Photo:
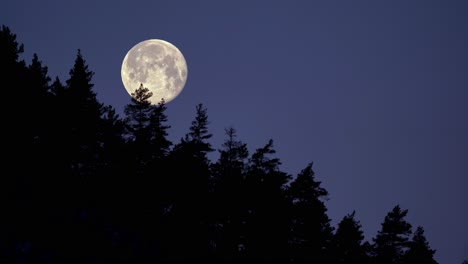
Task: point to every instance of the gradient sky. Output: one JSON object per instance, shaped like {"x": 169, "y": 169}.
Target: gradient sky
{"x": 375, "y": 93}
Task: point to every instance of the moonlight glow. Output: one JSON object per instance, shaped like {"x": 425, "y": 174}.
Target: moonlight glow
{"x": 159, "y": 66}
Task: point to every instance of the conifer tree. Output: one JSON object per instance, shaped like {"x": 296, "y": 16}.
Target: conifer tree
{"x": 146, "y": 128}
{"x": 228, "y": 177}
{"x": 12, "y": 68}
{"x": 16, "y": 183}
{"x": 392, "y": 239}
{"x": 138, "y": 114}
{"x": 311, "y": 233}
{"x": 83, "y": 121}
{"x": 158, "y": 131}
{"x": 348, "y": 243}
{"x": 264, "y": 207}
{"x": 190, "y": 188}
{"x": 38, "y": 76}
{"x": 419, "y": 250}
{"x": 147, "y": 146}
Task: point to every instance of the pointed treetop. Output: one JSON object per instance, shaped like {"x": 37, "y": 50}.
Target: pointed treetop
{"x": 419, "y": 249}
{"x": 39, "y": 74}
{"x": 199, "y": 128}
{"x": 9, "y": 47}
{"x": 392, "y": 239}
{"x": 233, "y": 150}
{"x": 80, "y": 75}
{"x": 198, "y": 133}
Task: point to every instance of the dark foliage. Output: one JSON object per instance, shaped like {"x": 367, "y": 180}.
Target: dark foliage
{"x": 419, "y": 250}
{"x": 348, "y": 242}
{"x": 392, "y": 241}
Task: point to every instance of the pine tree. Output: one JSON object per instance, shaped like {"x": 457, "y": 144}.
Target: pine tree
{"x": 311, "y": 232}
{"x": 228, "y": 176}
{"x": 146, "y": 126}
{"x": 348, "y": 241}
{"x": 264, "y": 207}
{"x": 138, "y": 115}
{"x": 137, "y": 122}
{"x": 392, "y": 240}
{"x": 419, "y": 250}
{"x": 148, "y": 146}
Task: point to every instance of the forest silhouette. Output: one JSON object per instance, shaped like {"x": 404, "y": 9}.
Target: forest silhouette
{"x": 85, "y": 185}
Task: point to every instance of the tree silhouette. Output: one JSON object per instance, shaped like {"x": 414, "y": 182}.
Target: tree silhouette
{"x": 17, "y": 183}
{"x": 12, "y": 68}
{"x": 348, "y": 241}
{"x": 311, "y": 233}
{"x": 138, "y": 114}
{"x": 392, "y": 240}
{"x": 83, "y": 120}
{"x": 158, "y": 131}
{"x": 146, "y": 130}
{"x": 38, "y": 75}
{"x": 228, "y": 178}
{"x": 419, "y": 250}
{"x": 264, "y": 207}
{"x": 189, "y": 222}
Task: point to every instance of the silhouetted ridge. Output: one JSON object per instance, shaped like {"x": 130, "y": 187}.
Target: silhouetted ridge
{"x": 84, "y": 185}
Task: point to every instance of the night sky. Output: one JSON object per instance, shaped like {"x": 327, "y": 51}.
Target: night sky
{"x": 375, "y": 93}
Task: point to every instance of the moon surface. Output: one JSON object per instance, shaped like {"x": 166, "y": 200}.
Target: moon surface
{"x": 159, "y": 66}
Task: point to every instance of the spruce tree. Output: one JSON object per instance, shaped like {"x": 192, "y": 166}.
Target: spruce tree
{"x": 83, "y": 121}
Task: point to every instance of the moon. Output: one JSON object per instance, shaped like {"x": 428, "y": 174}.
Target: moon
{"x": 159, "y": 66}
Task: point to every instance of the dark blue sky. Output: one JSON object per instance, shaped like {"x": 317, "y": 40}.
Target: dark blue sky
{"x": 373, "y": 92}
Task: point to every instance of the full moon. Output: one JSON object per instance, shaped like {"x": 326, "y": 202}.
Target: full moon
{"x": 159, "y": 66}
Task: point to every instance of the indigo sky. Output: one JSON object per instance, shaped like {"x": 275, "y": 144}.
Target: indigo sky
{"x": 375, "y": 93}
